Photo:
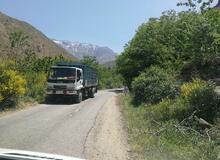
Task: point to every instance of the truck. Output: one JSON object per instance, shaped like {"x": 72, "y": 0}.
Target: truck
{"x": 72, "y": 79}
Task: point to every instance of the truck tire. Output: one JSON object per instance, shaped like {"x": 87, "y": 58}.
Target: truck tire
{"x": 48, "y": 99}
{"x": 79, "y": 97}
{"x": 92, "y": 93}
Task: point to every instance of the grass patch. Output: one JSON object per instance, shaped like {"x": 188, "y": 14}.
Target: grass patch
{"x": 165, "y": 138}
{"x": 21, "y": 105}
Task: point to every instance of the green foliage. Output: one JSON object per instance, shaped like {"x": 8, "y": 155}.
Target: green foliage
{"x": 13, "y": 85}
{"x": 167, "y": 109}
{"x": 35, "y": 72}
{"x": 158, "y": 136}
{"x": 31, "y": 63}
{"x": 18, "y": 46}
{"x": 92, "y": 62}
{"x": 187, "y": 42}
{"x": 153, "y": 85}
{"x": 18, "y": 39}
{"x": 193, "y": 5}
{"x": 36, "y": 85}
{"x": 197, "y": 98}
{"x": 201, "y": 98}
{"x": 33, "y": 69}
{"x": 110, "y": 79}
{"x": 34, "y": 77}
{"x": 25, "y": 58}
{"x": 168, "y": 125}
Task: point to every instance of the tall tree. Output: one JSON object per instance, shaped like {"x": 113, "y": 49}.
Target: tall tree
{"x": 186, "y": 43}
{"x": 194, "y": 5}
{"x": 18, "y": 46}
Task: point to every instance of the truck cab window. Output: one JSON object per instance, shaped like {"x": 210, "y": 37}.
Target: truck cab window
{"x": 78, "y": 75}
{"x": 67, "y": 73}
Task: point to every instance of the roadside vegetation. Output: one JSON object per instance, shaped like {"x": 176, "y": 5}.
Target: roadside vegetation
{"x": 173, "y": 111}
{"x": 23, "y": 75}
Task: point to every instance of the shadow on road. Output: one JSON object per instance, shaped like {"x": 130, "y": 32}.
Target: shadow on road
{"x": 61, "y": 100}
{"x": 117, "y": 90}
{"x": 57, "y": 100}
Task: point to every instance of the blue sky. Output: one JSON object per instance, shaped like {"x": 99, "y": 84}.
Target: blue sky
{"x": 109, "y": 23}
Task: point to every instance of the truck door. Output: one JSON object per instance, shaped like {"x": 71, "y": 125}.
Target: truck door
{"x": 79, "y": 79}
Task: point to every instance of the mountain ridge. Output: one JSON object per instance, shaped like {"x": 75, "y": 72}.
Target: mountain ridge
{"x": 39, "y": 43}
{"x": 102, "y": 54}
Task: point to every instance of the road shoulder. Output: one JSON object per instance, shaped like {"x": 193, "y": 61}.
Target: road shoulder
{"x": 107, "y": 139}
{"x": 21, "y": 106}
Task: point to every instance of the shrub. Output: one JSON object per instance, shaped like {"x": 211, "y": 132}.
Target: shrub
{"x": 197, "y": 98}
{"x": 12, "y": 86}
{"x": 168, "y": 109}
{"x": 202, "y": 98}
{"x": 153, "y": 85}
{"x": 188, "y": 89}
{"x": 36, "y": 84}
{"x": 160, "y": 111}
{"x": 172, "y": 41}
{"x": 160, "y": 139}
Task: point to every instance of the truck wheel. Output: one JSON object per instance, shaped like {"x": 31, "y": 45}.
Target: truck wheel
{"x": 91, "y": 93}
{"x": 48, "y": 99}
{"x": 79, "y": 97}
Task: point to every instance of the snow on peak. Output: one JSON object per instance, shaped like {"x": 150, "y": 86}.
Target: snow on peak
{"x": 102, "y": 54}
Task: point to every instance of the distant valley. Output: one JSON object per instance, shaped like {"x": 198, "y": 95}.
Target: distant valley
{"x": 79, "y": 50}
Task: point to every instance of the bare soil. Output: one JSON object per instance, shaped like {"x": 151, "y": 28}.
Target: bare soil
{"x": 107, "y": 139}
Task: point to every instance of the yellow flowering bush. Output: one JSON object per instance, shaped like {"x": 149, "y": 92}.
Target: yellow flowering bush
{"x": 201, "y": 97}
{"x": 12, "y": 85}
{"x": 187, "y": 89}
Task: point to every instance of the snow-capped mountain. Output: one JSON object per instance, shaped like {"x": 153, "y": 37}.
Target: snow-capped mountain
{"x": 79, "y": 50}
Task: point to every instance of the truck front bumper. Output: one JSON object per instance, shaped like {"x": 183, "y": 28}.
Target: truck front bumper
{"x": 61, "y": 92}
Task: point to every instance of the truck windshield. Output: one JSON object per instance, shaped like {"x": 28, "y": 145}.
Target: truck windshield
{"x": 65, "y": 73}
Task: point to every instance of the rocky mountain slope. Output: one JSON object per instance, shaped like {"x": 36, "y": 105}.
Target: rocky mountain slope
{"x": 79, "y": 50}
{"x": 38, "y": 42}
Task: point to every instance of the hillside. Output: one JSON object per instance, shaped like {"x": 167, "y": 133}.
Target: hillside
{"x": 109, "y": 64}
{"x": 42, "y": 45}
{"x": 79, "y": 50}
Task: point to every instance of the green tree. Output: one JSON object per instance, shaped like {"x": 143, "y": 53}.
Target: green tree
{"x": 187, "y": 42}
{"x": 90, "y": 61}
{"x": 18, "y": 45}
{"x": 195, "y": 4}
{"x": 153, "y": 85}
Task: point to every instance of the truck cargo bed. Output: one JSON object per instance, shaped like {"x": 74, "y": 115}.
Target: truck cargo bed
{"x": 90, "y": 75}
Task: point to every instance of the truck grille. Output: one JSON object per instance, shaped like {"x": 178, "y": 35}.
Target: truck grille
{"x": 60, "y": 81}
{"x": 60, "y": 87}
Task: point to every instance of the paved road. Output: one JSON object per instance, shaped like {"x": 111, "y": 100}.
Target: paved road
{"x": 58, "y": 129}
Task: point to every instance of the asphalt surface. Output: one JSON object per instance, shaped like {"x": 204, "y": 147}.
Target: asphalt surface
{"x": 53, "y": 128}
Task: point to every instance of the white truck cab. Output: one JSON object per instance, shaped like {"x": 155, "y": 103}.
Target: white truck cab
{"x": 64, "y": 80}
{"x": 72, "y": 79}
